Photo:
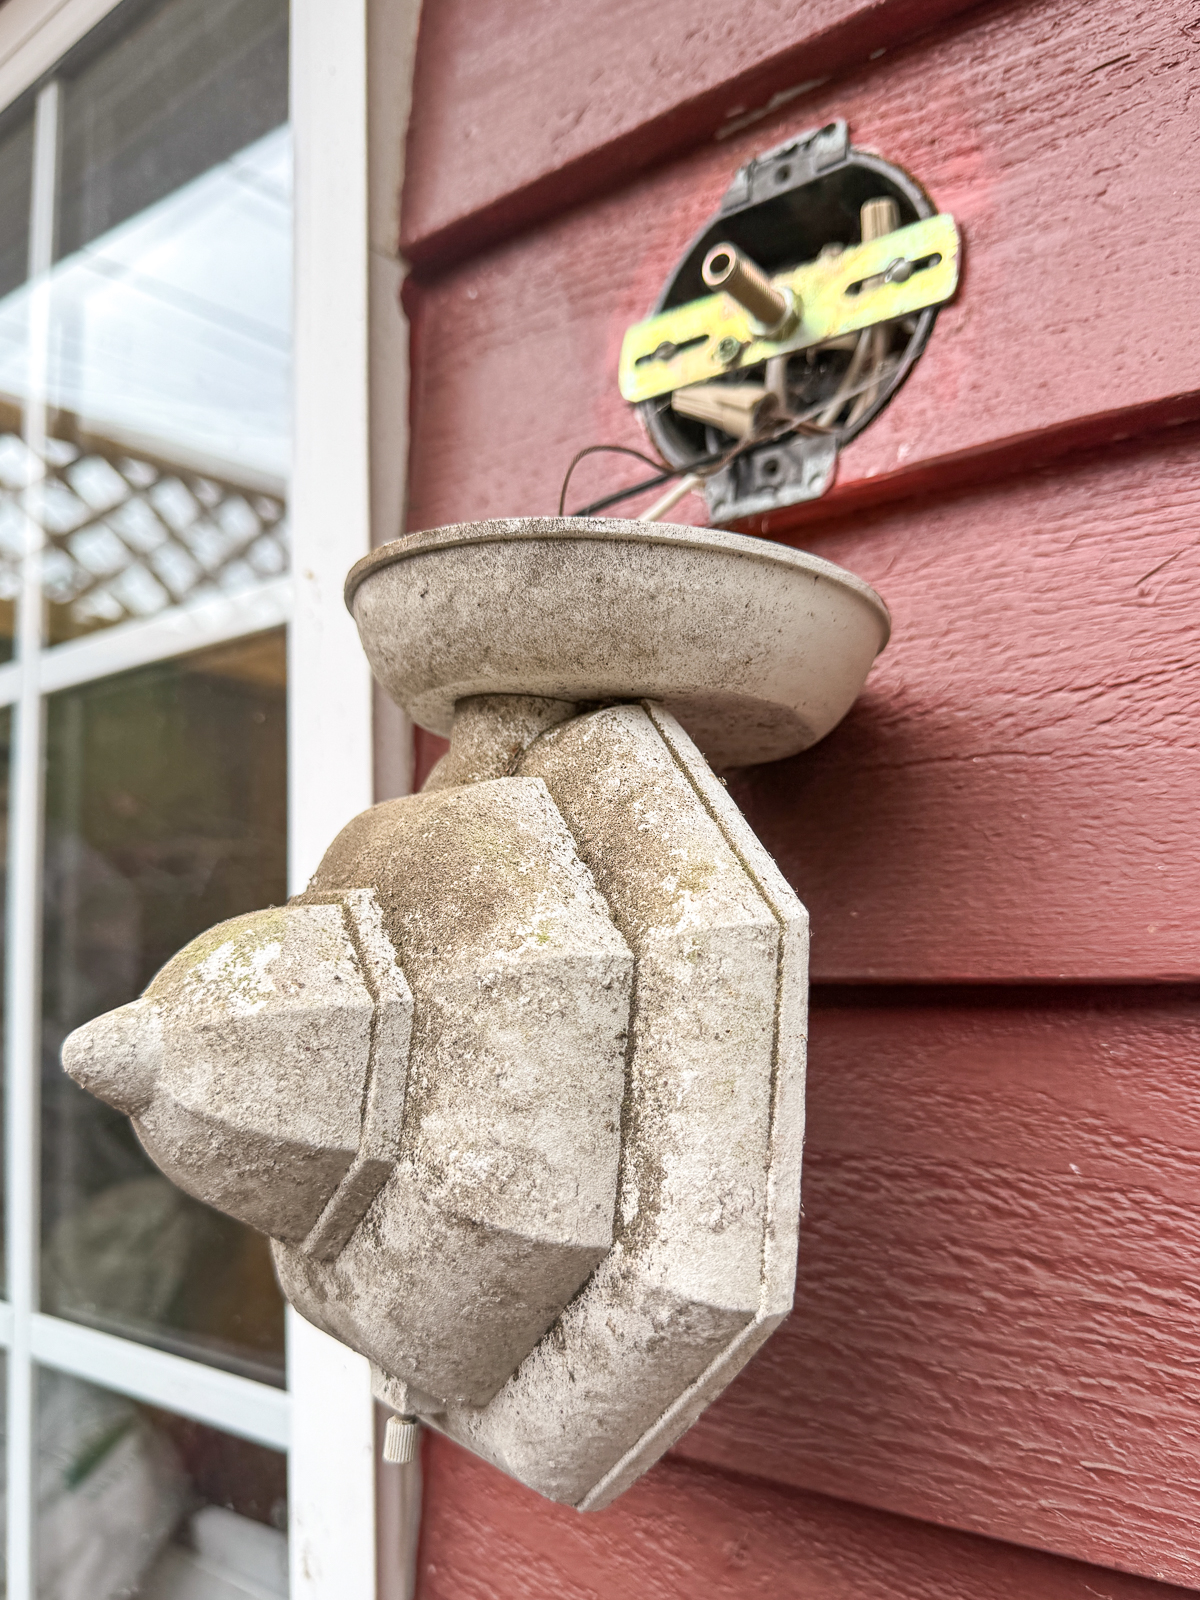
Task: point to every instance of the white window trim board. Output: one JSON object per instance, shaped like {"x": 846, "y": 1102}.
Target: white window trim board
{"x": 331, "y": 1504}
{"x": 351, "y": 77}
{"x": 36, "y": 34}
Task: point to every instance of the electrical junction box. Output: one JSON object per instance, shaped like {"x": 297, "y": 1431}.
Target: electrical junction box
{"x": 790, "y": 321}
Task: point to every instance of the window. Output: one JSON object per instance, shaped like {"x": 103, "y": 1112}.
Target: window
{"x": 165, "y": 812}
{"x": 162, "y": 567}
{"x": 147, "y": 620}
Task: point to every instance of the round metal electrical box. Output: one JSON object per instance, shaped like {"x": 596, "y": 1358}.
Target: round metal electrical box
{"x": 808, "y": 199}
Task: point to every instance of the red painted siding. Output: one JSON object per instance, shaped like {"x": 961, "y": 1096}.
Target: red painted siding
{"x": 428, "y": 750}
{"x": 997, "y": 1299}
{"x": 529, "y": 106}
{"x": 1014, "y": 797}
{"x": 1063, "y": 137}
{"x": 683, "y": 1532}
{"x": 997, "y": 1314}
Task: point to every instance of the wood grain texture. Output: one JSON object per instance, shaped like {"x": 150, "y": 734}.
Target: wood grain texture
{"x": 1015, "y": 795}
{"x": 1063, "y": 137}
{"x": 997, "y": 1307}
{"x": 685, "y": 1532}
{"x": 526, "y": 107}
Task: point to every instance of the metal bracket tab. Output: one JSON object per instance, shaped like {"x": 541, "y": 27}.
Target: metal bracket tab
{"x": 903, "y": 272}
{"x": 794, "y": 162}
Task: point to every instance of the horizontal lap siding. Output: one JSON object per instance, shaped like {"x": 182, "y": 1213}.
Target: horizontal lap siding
{"x": 686, "y": 1533}
{"x": 997, "y": 1300}
{"x": 1015, "y": 797}
{"x": 529, "y": 106}
{"x": 1074, "y": 183}
{"x": 997, "y": 1310}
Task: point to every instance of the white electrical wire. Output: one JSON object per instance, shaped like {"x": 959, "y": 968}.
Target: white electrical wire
{"x": 672, "y": 497}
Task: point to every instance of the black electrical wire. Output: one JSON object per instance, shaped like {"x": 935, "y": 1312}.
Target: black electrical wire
{"x": 624, "y": 494}
{"x": 705, "y": 464}
{"x": 613, "y": 449}
{"x": 804, "y": 423}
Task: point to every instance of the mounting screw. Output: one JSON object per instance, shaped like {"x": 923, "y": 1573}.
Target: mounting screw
{"x": 727, "y": 351}
{"x": 400, "y": 1440}
{"x": 898, "y": 271}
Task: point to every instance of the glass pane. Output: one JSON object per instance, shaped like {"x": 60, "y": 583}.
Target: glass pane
{"x": 6, "y": 722}
{"x": 137, "y": 1501}
{"x": 165, "y": 812}
{"x": 3, "y": 1467}
{"x": 170, "y": 340}
{"x": 16, "y": 176}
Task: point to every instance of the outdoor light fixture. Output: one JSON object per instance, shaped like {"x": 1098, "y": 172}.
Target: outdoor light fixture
{"x": 516, "y": 1085}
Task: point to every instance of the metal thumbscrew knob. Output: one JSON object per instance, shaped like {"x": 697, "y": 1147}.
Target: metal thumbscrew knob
{"x": 400, "y": 1440}
{"x": 725, "y": 267}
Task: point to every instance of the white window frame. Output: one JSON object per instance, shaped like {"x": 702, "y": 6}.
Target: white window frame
{"x": 350, "y": 383}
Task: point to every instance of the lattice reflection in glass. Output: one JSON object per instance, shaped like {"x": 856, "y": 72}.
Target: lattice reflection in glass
{"x": 15, "y": 476}
{"x": 128, "y": 535}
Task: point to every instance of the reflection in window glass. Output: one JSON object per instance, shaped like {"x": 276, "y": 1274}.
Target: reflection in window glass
{"x": 165, "y": 813}
{"x": 6, "y": 723}
{"x": 3, "y": 1459}
{"x": 137, "y": 1501}
{"x": 170, "y": 307}
{"x": 16, "y": 174}
{"x": 186, "y": 86}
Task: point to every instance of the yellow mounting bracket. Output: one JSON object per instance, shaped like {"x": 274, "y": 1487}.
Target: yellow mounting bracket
{"x": 838, "y": 293}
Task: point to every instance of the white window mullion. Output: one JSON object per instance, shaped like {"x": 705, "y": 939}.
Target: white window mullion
{"x": 177, "y": 632}
{"x": 220, "y": 1399}
{"x": 24, "y": 916}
